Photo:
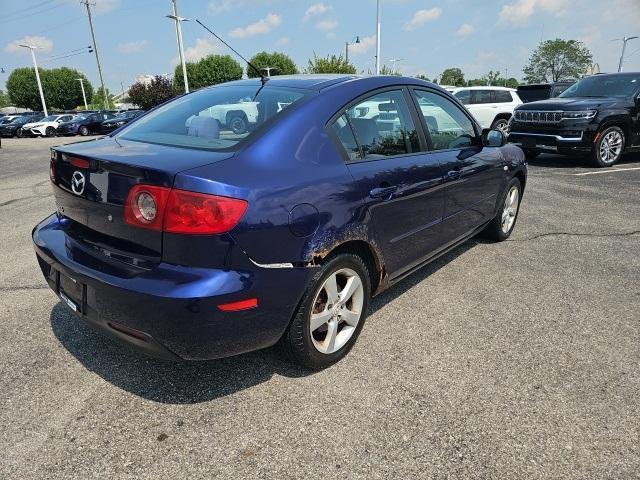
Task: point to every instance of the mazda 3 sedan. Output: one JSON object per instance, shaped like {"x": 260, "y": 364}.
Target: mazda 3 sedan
{"x": 189, "y": 240}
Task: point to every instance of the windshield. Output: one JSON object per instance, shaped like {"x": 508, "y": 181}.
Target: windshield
{"x": 618, "y": 85}
{"x": 126, "y": 114}
{"x": 77, "y": 118}
{"x": 213, "y": 118}
{"x": 50, "y": 118}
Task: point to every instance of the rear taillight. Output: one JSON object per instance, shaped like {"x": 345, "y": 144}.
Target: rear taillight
{"x": 145, "y": 206}
{"x": 180, "y": 211}
{"x": 199, "y": 213}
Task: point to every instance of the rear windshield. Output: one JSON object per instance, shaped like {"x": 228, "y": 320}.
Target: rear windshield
{"x": 533, "y": 93}
{"x": 213, "y": 118}
{"x": 620, "y": 85}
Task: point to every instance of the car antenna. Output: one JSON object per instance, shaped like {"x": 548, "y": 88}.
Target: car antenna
{"x": 263, "y": 79}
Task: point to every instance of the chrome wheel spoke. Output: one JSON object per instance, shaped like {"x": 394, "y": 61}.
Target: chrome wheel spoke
{"x": 349, "y": 289}
{"x": 350, "y": 318}
{"x": 329, "y": 343}
{"x": 319, "y": 319}
{"x": 331, "y": 287}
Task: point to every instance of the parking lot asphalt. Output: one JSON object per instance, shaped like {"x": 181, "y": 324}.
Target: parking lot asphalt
{"x": 512, "y": 360}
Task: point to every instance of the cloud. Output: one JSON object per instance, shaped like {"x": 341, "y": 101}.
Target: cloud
{"x": 519, "y": 12}
{"x": 264, "y": 25}
{"x": 104, "y": 6}
{"x": 219, "y": 6}
{"x": 202, "y": 48}
{"x": 314, "y": 10}
{"x": 465, "y": 30}
{"x": 132, "y": 47}
{"x": 326, "y": 25}
{"x": 366, "y": 44}
{"x": 44, "y": 44}
{"x": 281, "y": 42}
{"x": 421, "y": 17}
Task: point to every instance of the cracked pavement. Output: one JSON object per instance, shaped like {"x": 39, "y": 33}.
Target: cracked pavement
{"x": 511, "y": 360}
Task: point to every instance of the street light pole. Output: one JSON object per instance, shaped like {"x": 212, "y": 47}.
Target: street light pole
{"x": 35, "y": 67}
{"x": 624, "y": 47}
{"x": 377, "y": 37}
{"x": 346, "y": 48}
{"x": 95, "y": 49}
{"x": 84, "y": 97}
{"x": 179, "y": 21}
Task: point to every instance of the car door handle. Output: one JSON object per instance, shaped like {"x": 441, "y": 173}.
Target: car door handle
{"x": 383, "y": 192}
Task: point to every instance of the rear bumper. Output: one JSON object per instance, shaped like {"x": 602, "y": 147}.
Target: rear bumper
{"x": 172, "y": 310}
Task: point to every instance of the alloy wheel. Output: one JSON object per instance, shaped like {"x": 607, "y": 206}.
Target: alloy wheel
{"x": 510, "y": 209}
{"x": 502, "y": 125}
{"x": 336, "y": 310}
{"x": 611, "y": 147}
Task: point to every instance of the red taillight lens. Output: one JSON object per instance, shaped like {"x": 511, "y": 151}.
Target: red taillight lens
{"x": 180, "y": 211}
{"x": 247, "y": 304}
{"x": 145, "y": 206}
{"x": 202, "y": 214}
{"x": 79, "y": 162}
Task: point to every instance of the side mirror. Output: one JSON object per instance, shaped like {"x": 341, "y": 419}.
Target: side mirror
{"x": 493, "y": 138}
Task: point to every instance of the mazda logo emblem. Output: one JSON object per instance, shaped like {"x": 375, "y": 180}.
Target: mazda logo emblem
{"x": 77, "y": 182}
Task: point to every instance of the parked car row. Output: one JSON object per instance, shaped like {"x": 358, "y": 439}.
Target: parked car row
{"x": 35, "y": 124}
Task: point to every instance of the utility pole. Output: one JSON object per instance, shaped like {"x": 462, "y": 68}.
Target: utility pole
{"x": 95, "y": 49}
{"x": 377, "y": 37}
{"x": 624, "y": 47}
{"x": 178, "y": 19}
{"x": 35, "y": 67}
{"x": 84, "y": 97}
{"x": 346, "y": 48}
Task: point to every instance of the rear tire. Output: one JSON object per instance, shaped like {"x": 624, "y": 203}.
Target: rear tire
{"x": 504, "y": 222}
{"x": 531, "y": 154}
{"x": 238, "y": 124}
{"x": 84, "y": 131}
{"x": 609, "y": 148}
{"x": 19, "y": 133}
{"x": 331, "y": 314}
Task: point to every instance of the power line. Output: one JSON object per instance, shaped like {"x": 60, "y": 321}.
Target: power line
{"x": 53, "y": 7}
{"x": 22, "y": 10}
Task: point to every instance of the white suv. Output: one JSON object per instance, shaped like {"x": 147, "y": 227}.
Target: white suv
{"x": 491, "y": 106}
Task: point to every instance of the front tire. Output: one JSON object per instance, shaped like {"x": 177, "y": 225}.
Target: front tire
{"x": 83, "y": 131}
{"x": 238, "y": 124}
{"x": 501, "y": 124}
{"x": 50, "y": 132}
{"x": 331, "y": 313}
{"x": 609, "y": 147}
{"x": 504, "y": 222}
{"x": 531, "y": 154}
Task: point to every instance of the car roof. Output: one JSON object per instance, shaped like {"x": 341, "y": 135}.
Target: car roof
{"x": 480, "y": 87}
{"x": 305, "y": 81}
{"x": 320, "y": 82}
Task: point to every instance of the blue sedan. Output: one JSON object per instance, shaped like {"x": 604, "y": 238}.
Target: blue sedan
{"x": 191, "y": 239}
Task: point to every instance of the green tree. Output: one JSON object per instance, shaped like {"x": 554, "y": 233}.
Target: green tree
{"x": 280, "y": 63}
{"x": 557, "y": 59}
{"x": 61, "y": 89}
{"x": 452, "y": 76}
{"x": 512, "y": 82}
{"x": 210, "y": 70}
{"x": 4, "y": 100}
{"x": 384, "y": 70}
{"x": 97, "y": 101}
{"x": 148, "y": 95}
{"x": 329, "y": 64}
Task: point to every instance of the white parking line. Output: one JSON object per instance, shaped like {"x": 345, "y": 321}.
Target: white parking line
{"x": 611, "y": 170}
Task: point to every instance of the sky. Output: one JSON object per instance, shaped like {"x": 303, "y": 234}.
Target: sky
{"x": 417, "y": 36}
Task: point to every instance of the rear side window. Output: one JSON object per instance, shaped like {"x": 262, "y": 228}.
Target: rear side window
{"x": 502, "y": 96}
{"x": 383, "y": 126}
{"x": 481, "y": 96}
{"x": 213, "y": 118}
{"x": 344, "y": 134}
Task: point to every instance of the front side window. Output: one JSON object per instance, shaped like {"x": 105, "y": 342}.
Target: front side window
{"x": 448, "y": 126}
{"x": 502, "y": 96}
{"x": 215, "y": 118}
{"x": 464, "y": 96}
{"x": 480, "y": 96}
{"x": 383, "y": 126}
